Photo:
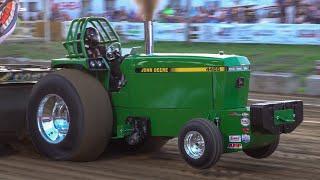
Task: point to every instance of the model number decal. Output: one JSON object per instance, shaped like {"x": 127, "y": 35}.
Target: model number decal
{"x": 181, "y": 70}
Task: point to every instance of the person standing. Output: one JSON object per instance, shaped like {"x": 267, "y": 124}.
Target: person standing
{"x": 282, "y": 11}
{"x": 290, "y": 12}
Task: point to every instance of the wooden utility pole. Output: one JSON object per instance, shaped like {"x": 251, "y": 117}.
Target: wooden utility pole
{"x": 188, "y": 20}
{"x": 84, "y": 9}
{"x": 46, "y": 19}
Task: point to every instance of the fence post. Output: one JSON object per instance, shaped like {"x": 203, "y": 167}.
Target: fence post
{"x": 46, "y": 19}
{"x": 188, "y": 20}
{"x": 84, "y": 7}
{"x": 318, "y": 67}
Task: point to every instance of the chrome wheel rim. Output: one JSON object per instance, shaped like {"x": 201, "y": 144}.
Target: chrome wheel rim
{"x": 194, "y": 144}
{"x": 53, "y": 118}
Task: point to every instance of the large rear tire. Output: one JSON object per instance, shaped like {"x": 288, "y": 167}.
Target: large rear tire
{"x": 89, "y": 115}
{"x": 263, "y": 152}
{"x": 200, "y": 143}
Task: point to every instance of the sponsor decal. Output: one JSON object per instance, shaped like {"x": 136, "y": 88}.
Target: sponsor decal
{"x": 235, "y": 138}
{"x": 166, "y": 31}
{"x": 181, "y": 70}
{"x": 226, "y": 31}
{"x": 246, "y": 138}
{"x": 245, "y": 130}
{"x": 245, "y": 122}
{"x": 307, "y": 33}
{"x": 69, "y": 8}
{"x": 234, "y": 146}
{"x": 208, "y": 33}
{"x": 245, "y": 114}
{"x": 69, "y": 5}
{"x": 16, "y": 77}
{"x": 153, "y": 70}
{"x": 264, "y": 33}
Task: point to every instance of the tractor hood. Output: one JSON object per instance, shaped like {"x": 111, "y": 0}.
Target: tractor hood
{"x": 182, "y": 80}
{"x": 185, "y": 60}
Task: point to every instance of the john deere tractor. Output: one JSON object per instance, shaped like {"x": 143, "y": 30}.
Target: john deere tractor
{"x": 100, "y": 95}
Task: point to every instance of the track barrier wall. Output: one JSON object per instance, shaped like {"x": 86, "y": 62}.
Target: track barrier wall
{"x": 304, "y": 34}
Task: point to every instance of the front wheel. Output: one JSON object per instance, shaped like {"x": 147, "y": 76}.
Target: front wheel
{"x": 200, "y": 143}
{"x": 263, "y": 152}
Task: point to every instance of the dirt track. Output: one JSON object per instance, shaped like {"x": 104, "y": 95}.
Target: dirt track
{"x": 298, "y": 157}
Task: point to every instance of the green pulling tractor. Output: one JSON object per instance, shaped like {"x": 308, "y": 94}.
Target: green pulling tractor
{"x": 100, "y": 95}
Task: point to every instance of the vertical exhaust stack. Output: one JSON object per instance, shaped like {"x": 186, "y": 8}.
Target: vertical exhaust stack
{"x": 147, "y": 8}
{"x": 148, "y": 37}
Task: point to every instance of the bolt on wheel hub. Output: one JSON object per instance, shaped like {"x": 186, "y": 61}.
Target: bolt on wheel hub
{"x": 194, "y": 144}
{"x": 53, "y": 119}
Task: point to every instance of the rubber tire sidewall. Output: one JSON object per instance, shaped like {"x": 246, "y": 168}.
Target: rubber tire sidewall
{"x": 213, "y": 143}
{"x": 263, "y": 152}
{"x": 90, "y": 116}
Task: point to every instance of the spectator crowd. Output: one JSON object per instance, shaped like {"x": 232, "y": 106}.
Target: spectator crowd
{"x": 283, "y": 11}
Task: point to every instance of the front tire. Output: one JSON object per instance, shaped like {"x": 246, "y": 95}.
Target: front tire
{"x": 200, "y": 143}
{"x": 77, "y": 124}
{"x": 263, "y": 152}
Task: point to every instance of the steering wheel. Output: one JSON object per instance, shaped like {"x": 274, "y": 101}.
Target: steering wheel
{"x": 113, "y": 50}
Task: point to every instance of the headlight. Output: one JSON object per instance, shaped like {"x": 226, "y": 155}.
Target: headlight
{"x": 92, "y": 64}
{"x": 97, "y": 64}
